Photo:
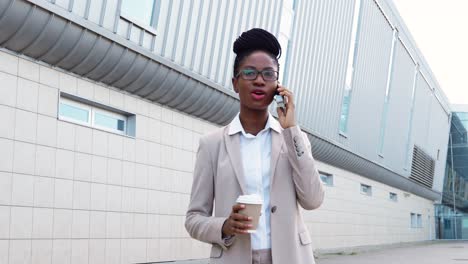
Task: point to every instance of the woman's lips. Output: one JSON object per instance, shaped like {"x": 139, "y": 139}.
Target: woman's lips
{"x": 258, "y": 95}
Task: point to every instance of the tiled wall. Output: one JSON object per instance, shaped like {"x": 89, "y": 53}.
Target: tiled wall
{"x": 73, "y": 194}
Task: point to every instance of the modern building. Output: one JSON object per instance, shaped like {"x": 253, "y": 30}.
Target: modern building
{"x": 452, "y": 212}
{"x": 103, "y": 103}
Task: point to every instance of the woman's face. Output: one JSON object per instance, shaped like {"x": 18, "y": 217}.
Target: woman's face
{"x": 255, "y": 94}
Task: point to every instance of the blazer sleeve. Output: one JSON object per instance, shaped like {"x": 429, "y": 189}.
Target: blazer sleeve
{"x": 309, "y": 187}
{"x": 199, "y": 221}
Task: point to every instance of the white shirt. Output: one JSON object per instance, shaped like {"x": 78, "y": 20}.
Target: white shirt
{"x": 256, "y": 155}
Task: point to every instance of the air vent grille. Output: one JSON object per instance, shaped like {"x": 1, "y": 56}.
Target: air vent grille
{"x": 422, "y": 168}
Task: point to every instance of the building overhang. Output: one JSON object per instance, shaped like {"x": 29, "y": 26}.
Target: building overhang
{"x": 50, "y": 34}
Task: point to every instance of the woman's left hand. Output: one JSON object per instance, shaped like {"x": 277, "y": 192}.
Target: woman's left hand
{"x": 286, "y": 116}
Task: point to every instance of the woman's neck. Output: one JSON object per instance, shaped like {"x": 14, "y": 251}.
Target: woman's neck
{"x": 253, "y": 121}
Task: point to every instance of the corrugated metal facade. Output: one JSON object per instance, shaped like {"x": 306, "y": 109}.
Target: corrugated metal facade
{"x": 197, "y": 35}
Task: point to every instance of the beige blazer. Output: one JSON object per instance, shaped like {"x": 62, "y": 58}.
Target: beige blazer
{"x": 219, "y": 180}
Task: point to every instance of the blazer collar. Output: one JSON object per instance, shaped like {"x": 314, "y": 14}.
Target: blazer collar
{"x": 232, "y": 141}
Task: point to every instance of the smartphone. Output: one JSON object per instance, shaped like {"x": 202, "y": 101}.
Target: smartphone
{"x": 279, "y": 99}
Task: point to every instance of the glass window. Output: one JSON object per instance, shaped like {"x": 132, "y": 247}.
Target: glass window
{"x": 326, "y": 178}
{"x": 142, "y": 10}
{"x": 366, "y": 189}
{"x": 109, "y": 121}
{"x": 413, "y": 220}
{"x": 350, "y": 69}
{"x": 393, "y": 196}
{"x": 419, "y": 220}
{"x": 74, "y": 111}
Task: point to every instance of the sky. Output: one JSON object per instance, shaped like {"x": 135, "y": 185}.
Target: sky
{"x": 439, "y": 28}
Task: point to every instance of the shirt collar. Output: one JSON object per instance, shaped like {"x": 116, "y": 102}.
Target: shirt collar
{"x": 236, "y": 126}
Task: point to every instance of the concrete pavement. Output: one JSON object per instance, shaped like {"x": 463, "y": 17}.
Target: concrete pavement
{"x": 440, "y": 252}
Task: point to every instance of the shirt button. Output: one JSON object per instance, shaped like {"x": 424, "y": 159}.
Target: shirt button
{"x": 273, "y": 209}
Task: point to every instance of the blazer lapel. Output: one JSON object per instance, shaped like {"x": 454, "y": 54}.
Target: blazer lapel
{"x": 233, "y": 149}
{"x": 276, "y": 145}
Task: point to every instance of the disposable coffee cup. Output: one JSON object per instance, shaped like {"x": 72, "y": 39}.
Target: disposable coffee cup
{"x": 253, "y": 208}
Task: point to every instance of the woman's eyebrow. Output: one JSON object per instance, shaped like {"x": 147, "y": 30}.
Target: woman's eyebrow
{"x": 253, "y": 67}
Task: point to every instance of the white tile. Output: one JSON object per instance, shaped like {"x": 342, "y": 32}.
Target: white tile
{"x": 67, "y": 83}
{"x": 80, "y": 251}
{"x": 165, "y": 226}
{"x": 167, "y": 134}
{"x": 141, "y": 200}
{"x": 113, "y": 225}
{"x": 128, "y": 173}
{"x": 48, "y": 76}
{"x": 101, "y": 94}
{"x": 43, "y": 191}
{"x": 139, "y": 225}
{"x": 41, "y": 251}
{"x": 187, "y": 139}
{"x": 99, "y": 169}
{"x": 62, "y": 223}
{"x": 130, "y": 104}
{"x": 61, "y": 251}
{"x": 97, "y": 224}
{"x": 20, "y": 252}
{"x": 48, "y": 101}
{"x": 154, "y": 154}
{"x": 142, "y": 127}
{"x": 116, "y": 99}
{"x": 63, "y": 193}
{"x": 141, "y": 151}
{"x": 153, "y": 202}
{"x": 100, "y": 143}
{"x": 81, "y": 195}
{"x": 97, "y": 251}
{"x": 7, "y": 129}
{"x": 177, "y": 119}
{"x": 4, "y": 248}
{"x": 84, "y": 139}
{"x": 43, "y": 223}
{"x": 138, "y": 250}
{"x": 143, "y": 107}
{"x": 114, "y": 198}
{"x": 46, "y": 130}
{"x": 27, "y": 95}
{"x": 80, "y": 227}
{"x": 154, "y": 130}
{"x": 152, "y": 250}
{"x": 126, "y": 225}
{"x": 24, "y": 158}
{"x": 21, "y": 222}
{"x": 8, "y": 89}
{"x": 188, "y": 122}
{"x": 153, "y": 226}
{"x": 5, "y": 187}
{"x": 115, "y": 146}
{"x": 166, "y": 156}
{"x": 28, "y": 70}
{"x": 141, "y": 175}
{"x": 8, "y": 63}
{"x": 4, "y": 222}
{"x": 166, "y": 114}
{"x": 64, "y": 164}
{"x": 128, "y": 199}
{"x": 112, "y": 251}
{"x": 85, "y": 89}
{"x": 65, "y": 135}
{"x": 154, "y": 174}
{"x": 83, "y": 166}
{"x": 129, "y": 148}
{"x": 114, "y": 171}
{"x": 25, "y": 126}
{"x": 155, "y": 111}
{"x": 22, "y": 190}
{"x": 98, "y": 196}
{"x": 45, "y": 161}
{"x": 166, "y": 179}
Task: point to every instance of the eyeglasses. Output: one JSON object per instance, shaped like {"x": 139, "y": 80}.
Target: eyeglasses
{"x": 252, "y": 74}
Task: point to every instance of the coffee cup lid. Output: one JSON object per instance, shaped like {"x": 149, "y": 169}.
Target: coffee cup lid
{"x": 250, "y": 199}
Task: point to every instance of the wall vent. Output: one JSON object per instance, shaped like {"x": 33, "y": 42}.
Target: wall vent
{"x": 422, "y": 168}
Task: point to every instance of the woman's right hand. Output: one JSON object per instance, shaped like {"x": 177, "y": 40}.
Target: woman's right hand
{"x": 236, "y": 223}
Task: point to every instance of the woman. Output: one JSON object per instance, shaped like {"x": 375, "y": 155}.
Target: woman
{"x": 255, "y": 154}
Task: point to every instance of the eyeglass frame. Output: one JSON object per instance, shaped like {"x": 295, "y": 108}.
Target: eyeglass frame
{"x": 257, "y": 72}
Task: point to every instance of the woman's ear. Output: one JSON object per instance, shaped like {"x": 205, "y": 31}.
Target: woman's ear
{"x": 234, "y": 84}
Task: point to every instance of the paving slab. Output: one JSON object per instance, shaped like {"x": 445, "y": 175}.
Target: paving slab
{"x": 440, "y": 252}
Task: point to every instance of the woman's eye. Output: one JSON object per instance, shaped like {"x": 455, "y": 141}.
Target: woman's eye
{"x": 269, "y": 73}
{"x": 249, "y": 73}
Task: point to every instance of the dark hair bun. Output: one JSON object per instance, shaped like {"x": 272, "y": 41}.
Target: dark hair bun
{"x": 257, "y": 39}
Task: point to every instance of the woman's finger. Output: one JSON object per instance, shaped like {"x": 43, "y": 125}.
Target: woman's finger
{"x": 240, "y": 217}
